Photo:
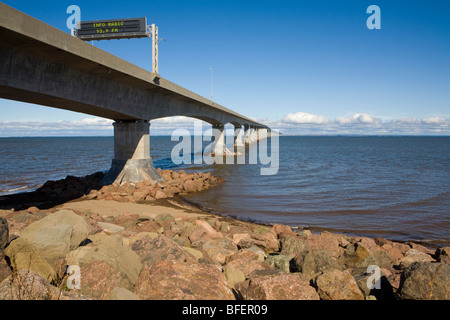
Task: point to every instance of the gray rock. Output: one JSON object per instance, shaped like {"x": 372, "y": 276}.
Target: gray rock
{"x": 119, "y": 293}
{"x": 425, "y": 281}
{"x": 110, "y": 227}
{"x": 159, "y": 249}
{"x": 294, "y": 286}
{"x": 443, "y": 254}
{"x": 28, "y": 285}
{"x": 411, "y": 256}
{"x": 333, "y": 284}
{"x": 293, "y": 246}
{"x": 23, "y": 255}
{"x": 109, "y": 248}
{"x": 4, "y": 233}
{"x": 313, "y": 261}
{"x": 233, "y": 276}
{"x": 5, "y": 270}
{"x": 219, "y": 249}
{"x": 56, "y": 234}
{"x": 280, "y": 261}
{"x": 358, "y": 255}
{"x": 373, "y": 288}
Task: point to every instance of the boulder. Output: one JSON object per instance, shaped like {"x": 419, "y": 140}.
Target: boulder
{"x": 164, "y": 220}
{"x": 119, "y": 293}
{"x": 425, "y": 281}
{"x": 109, "y": 248}
{"x": 411, "y": 256}
{"x": 334, "y": 284}
{"x": 281, "y": 231}
{"x": 4, "y": 233}
{"x": 219, "y": 249}
{"x": 313, "y": 261}
{"x": 160, "y": 195}
{"x": 56, "y": 234}
{"x": 189, "y": 185}
{"x": 293, "y": 286}
{"x": 110, "y": 227}
{"x": 328, "y": 241}
{"x": 359, "y": 255}
{"x": 280, "y": 261}
{"x": 162, "y": 248}
{"x": 252, "y": 253}
{"x": 23, "y": 255}
{"x": 98, "y": 279}
{"x": 28, "y": 285}
{"x": 172, "y": 280}
{"x": 373, "y": 287}
{"x": 196, "y": 253}
{"x": 204, "y": 231}
{"x": 5, "y": 270}
{"x": 238, "y": 237}
{"x": 293, "y": 246}
{"x": 145, "y": 226}
{"x": 443, "y": 255}
{"x": 247, "y": 266}
{"x": 143, "y": 235}
{"x": 233, "y": 276}
{"x": 264, "y": 240}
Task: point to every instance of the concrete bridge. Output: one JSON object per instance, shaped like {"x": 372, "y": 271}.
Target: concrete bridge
{"x": 44, "y": 65}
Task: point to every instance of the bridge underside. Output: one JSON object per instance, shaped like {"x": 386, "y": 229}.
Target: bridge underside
{"x": 46, "y": 66}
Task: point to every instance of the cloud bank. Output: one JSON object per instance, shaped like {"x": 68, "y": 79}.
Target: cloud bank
{"x": 300, "y": 123}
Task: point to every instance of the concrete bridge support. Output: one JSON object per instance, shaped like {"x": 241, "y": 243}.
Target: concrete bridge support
{"x": 238, "y": 136}
{"x": 219, "y": 147}
{"x": 246, "y": 134}
{"x": 253, "y": 134}
{"x": 262, "y": 133}
{"x": 239, "y": 145}
{"x": 132, "y": 161}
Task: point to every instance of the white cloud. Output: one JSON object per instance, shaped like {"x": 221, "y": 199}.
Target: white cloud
{"x": 303, "y": 117}
{"x": 95, "y": 122}
{"x": 358, "y": 118}
{"x": 301, "y": 123}
{"x": 434, "y": 120}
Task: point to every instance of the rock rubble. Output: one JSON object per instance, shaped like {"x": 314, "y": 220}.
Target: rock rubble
{"x": 186, "y": 257}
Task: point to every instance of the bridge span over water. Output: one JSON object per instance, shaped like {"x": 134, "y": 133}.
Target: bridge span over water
{"x": 44, "y": 65}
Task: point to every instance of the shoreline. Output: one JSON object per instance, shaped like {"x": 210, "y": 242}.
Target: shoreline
{"x": 17, "y": 198}
{"x": 314, "y": 230}
{"x": 167, "y": 241}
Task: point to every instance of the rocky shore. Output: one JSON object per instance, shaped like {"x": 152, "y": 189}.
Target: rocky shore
{"x": 140, "y": 242}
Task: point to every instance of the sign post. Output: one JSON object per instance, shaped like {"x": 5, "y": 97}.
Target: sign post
{"x": 120, "y": 29}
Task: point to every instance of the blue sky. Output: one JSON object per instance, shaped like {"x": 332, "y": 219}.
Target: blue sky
{"x": 304, "y": 67}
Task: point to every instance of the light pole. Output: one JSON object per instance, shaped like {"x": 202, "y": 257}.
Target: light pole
{"x": 212, "y": 97}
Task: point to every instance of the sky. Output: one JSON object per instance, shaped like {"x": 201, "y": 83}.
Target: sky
{"x": 303, "y": 67}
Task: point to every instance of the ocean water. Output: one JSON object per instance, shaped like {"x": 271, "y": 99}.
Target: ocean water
{"x": 392, "y": 187}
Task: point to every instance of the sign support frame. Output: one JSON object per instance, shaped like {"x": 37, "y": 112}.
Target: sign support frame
{"x": 151, "y": 31}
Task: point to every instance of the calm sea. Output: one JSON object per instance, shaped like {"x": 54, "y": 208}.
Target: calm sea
{"x": 392, "y": 187}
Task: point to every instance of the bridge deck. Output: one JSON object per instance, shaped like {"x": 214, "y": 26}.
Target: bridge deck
{"x": 44, "y": 65}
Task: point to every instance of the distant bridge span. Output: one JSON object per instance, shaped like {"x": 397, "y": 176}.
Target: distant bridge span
{"x": 44, "y": 65}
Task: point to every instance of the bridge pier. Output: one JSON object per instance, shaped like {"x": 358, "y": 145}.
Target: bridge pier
{"x": 238, "y": 145}
{"x": 262, "y": 133}
{"x": 219, "y": 147}
{"x": 238, "y": 135}
{"x": 253, "y": 134}
{"x": 246, "y": 134}
{"x": 132, "y": 161}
